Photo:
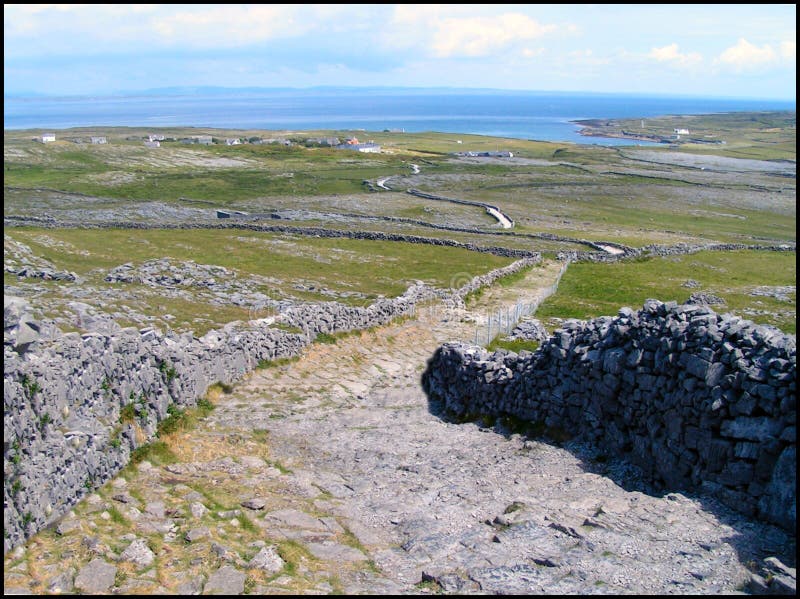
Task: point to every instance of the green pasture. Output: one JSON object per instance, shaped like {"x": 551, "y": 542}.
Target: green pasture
{"x": 591, "y": 290}
{"x": 369, "y": 268}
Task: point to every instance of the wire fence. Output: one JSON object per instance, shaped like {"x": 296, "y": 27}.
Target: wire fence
{"x": 504, "y": 320}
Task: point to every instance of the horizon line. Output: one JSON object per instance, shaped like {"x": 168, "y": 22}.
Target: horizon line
{"x": 185, "y": 89}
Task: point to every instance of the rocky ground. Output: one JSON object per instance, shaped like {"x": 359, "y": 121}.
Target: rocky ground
{"x": 334, "y": 474}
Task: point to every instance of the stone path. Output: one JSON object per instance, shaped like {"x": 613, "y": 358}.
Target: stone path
{"x": 333, "y": 474}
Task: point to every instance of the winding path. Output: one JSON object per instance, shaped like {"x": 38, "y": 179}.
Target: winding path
{"x": 493, "y": 211}
{"x": 339, "y": 461}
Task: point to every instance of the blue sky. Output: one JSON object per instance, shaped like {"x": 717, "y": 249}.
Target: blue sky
{"x": 736, "y": 50}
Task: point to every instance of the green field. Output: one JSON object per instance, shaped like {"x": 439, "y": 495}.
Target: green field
{"x": 636, "y": 196}
{"x": 754, "y": 135}
{"x": 587, "y": 192}
{"x": 591, "y": 290}
{"x": 355, "y": 271}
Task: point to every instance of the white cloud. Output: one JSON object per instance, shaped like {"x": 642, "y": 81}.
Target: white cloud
{"x": 38, "y": 8}
{"x": 745, "y": 55}
{"x": 789, "y": 50}
{"x": 231, "y": 25}
{"x": 447, "y": 31}
{"x": 588, "y": 58}
{"x": 195, "y": 26}
{"x": 481, "y": 36}
{"x": 532, "y": 53}
{"x": 671, "y": 55}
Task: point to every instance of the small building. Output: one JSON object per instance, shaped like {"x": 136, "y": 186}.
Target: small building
{"x": 99, "y": 140}
{"x": 48, "y": 137}
{"x": 369, "y": 148}
{"x": 155, "y": 137}
{"x": 681, "y": 131}
{"x": 233, "y": 142}
{"x": 324, "y": 141}
{"x": 152, "y": 144}
{"x": 204, "y": 140}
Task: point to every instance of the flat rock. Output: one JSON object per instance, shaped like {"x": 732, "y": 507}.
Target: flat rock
{"x": 267, "y": 559}
{"x": 96, "y": 577}
{"x": 254, "y": 504}
{"x": 138, "y": 553}
{"x": 225, "y": 581}
{"x": 335, "y": 552}
{"x": 198, "y": 533}
{"x": 291, "y": 518}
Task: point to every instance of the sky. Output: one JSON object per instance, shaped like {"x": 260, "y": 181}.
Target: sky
{"x": 730, "y": 50}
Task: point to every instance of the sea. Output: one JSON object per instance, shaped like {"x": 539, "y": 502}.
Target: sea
{"x": 546, "y": 116}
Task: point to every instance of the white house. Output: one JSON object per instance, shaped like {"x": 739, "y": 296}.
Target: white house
{"x": 153, "y": 144}
{"x": 370, "y": 148}
{"x": 99, "y": 140}
{"x": 233, "y": 142}
{"x": 204, "y": 140}
{"x": 47, "y": 137}
{"x": 155, "y": 137}
{"x": 681, "y": 131}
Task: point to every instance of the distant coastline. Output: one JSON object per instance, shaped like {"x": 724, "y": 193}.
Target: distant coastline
{"x": 516, "y": 115}
{"x": 693, "y": 130}
{"x": 601, "y": 128}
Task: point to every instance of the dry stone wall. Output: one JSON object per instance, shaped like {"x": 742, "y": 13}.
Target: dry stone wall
{"x": 64, "y": 399}
{"x": 76, "y": 406}
{"x": 700, "y": 401}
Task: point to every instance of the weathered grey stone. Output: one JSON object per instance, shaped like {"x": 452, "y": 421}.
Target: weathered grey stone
{"x": 267, "y": 559}
{"x": 779, "y": 503}
{"x": 138, "y": 553}
{"x": 753, "y": 429}
{"x": 335, "y": 552}
{"x": 225, "y": 581}
{"x": 197, "y": 509}
{"x": 61, "y": 583}
{"x": 294, "y": 519}
{"x": 193, "y": 586}
{"x": 97, "y": 577}
{"x": 254, "y": 504}
{"x": 66, "y": 526}
{"x": 198, "y": 533}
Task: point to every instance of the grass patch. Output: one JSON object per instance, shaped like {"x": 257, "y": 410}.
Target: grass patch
{"x": 178, "y": 420}
{"x": 357, "y": 268}
{"x": 214, "y": 392}
{"x": 591, "y": 290}
{"x": 276, "y": 363}
{"x": 117, "y": 517}
{"x": 515, "y": 345}
{"x": 276, "y": 464}
{"x": 157, "y": 453}
{"x": 247, "y": 524}
{"x": 260, "y": 435}
{"x": 515, "y": 277}
{"x": 513, "y": 507}
{"x": 326, "y": 338}
{"x": 294, "y": 554}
